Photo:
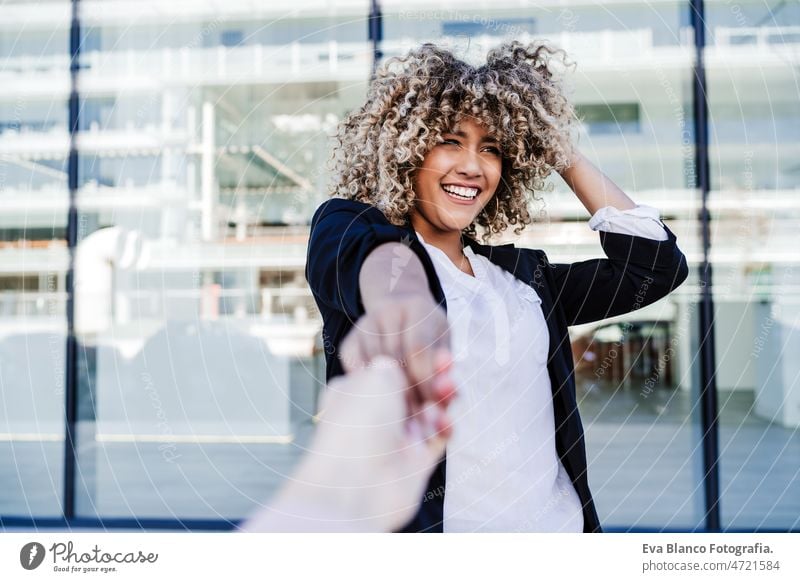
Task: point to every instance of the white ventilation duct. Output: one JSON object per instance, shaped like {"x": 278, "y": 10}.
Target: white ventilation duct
{"x": 96, "y": 259}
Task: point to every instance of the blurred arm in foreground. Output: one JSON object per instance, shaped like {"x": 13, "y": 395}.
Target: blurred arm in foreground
{"x": 369, "y": 461}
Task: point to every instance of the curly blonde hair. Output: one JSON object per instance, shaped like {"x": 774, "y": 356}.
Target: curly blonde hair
{"x": 415, "y": 98}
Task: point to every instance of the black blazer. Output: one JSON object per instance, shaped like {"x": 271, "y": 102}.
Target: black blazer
{"x": 637, "y": 272}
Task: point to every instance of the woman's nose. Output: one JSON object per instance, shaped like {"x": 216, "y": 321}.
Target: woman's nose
{"x": 469, "y": 163}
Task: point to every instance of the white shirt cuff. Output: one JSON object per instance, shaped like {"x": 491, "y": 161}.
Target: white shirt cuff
{"x": 644, "y": 221}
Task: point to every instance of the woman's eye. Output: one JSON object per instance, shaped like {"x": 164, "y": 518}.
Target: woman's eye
{"x": 492, "y": 149}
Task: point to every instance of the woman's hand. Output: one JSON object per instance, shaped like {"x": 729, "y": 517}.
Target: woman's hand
{"x": 412, "y": 330}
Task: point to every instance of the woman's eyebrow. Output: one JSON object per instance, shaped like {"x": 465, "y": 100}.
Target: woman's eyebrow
{"x": 487, "y": 138}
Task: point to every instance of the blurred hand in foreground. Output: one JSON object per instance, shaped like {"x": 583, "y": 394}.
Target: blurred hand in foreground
{"x": 412, "y": 330}
{"x": 369, "y": 461}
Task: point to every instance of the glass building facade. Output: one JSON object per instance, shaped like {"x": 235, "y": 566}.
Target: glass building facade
{"x": 201, "y": 155}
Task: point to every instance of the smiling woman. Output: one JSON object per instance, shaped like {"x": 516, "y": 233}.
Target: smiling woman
{"x": 440, "y": 151}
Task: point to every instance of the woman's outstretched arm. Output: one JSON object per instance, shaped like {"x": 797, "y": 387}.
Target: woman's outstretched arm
{"x": 372, "y": 272}
{"x": 402, "y": 320}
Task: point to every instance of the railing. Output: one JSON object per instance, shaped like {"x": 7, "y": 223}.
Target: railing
{"x": 213, "y": 301}
{"x": 337, "y": 58}
{"x": 54, "y": 197}
{"x": 31, "y": 64}
{"x": 32, "y": 303}
{"x": 759, "y": 36}
{"x": 291, "y": 304}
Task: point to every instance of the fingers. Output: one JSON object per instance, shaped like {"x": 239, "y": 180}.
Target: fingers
{"x": 381, "y": 375}
{"x": 354, "y": 352}
{"x": 420, "y": 367}
{"x": 438, "y": 426}
{"x": 433, "y": 421}
{"x": 428, "y": 334}
{"x": 415, "y": 333}
{"x": 428, "y": 371}
{"x": 390, "y": 333}
{"x": 372, "y": 336}
{"x": 444, "y": 386}
{"x": 429, "y": 432}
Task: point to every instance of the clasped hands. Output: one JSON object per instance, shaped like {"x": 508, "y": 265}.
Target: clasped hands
{"x": 382, "y": 428}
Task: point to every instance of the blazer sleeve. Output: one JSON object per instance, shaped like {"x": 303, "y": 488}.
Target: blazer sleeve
{"x": 343, "y": 233}
{"x": 638, "y": 271}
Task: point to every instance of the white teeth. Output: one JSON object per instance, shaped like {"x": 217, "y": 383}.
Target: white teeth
{"x": 461, "y": 192}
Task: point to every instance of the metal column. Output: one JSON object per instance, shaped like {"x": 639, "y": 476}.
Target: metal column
{"x": 708, "y": 382}
{"x": 71, "y": 364}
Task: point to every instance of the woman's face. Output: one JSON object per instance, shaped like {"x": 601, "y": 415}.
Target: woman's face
{"x": 456, "y": 179}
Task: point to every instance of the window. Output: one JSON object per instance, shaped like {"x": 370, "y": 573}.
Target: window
{"x": 489, "y": 26}
{"x": 610, "y": 118}
{"x": 231, "y": 38}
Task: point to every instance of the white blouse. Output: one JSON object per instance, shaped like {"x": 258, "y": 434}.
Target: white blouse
{"x": 503, "y": 472}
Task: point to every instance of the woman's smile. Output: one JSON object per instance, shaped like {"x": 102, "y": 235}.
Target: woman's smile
{"x": 462, "y": 193}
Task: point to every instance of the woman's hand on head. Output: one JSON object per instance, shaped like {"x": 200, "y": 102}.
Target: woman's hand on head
{"x": 413, "y": 331}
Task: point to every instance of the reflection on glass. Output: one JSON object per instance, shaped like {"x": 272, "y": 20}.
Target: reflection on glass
{"x": 202, "y": 152}
{"x": 33, "y": 259}
{"x": 755, "y": 121}
{"x": 202, "y": 144}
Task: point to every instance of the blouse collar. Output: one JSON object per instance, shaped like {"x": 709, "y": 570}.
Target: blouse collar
{"x": 475, "y": 262}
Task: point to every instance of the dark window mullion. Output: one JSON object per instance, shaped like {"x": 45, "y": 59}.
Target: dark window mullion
{"x": 708, "y": 382}
{"x": 71, "y": 364}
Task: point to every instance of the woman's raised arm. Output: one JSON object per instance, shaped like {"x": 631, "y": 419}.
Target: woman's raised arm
{"x": 592, "y": 187}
